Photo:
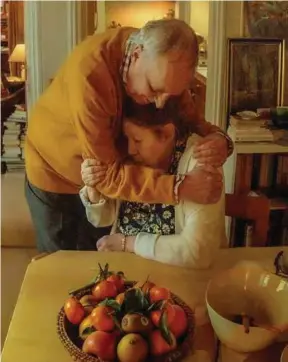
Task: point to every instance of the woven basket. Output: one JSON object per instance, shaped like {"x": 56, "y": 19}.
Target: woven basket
{"x": 68, "y": 335}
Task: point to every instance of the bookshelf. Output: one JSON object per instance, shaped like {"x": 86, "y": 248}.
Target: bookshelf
{"x": 259, "y": 168}
{"x": 260, "y": 148}
{"x": 4, "y": 37}
{"x": 13, "y": 131}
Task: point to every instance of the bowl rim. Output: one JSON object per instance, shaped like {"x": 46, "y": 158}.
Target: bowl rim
{"x": 224, "y": 272}
{"x": 285, "y": 351}
{"x": 177, "y": 355}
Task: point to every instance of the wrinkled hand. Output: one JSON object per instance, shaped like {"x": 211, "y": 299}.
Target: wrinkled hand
{"x": 110, "y": 243}
{"x": 202, "y": 185}
{"x": 92, "y": 172}
{"x": 211, "y": 150}
{"x": 114, "y": 243}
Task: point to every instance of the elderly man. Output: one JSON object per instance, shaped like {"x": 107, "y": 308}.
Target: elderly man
{"x": 80, "y": 115}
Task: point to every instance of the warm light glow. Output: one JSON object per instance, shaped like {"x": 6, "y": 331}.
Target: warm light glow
{"x": 136, "y": 13}
{"x": 18, "y": 54}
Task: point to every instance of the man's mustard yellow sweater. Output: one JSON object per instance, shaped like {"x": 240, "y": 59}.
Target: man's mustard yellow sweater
{"x": 79, "y": 115}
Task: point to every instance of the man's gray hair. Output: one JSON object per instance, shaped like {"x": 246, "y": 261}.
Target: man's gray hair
{"x": 167, "y": 35}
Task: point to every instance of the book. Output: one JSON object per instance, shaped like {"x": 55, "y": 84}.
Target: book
{"x": 237, "y": 121}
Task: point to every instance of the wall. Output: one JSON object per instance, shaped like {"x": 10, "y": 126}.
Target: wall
{"x": 101, "y": 16}
{"x": 136, "y": 13}
{"x": 54, "y": 37}
{"x": 51, "y": 32}
{"x": 199, "y": 17}
{"x": 234, "y": 23}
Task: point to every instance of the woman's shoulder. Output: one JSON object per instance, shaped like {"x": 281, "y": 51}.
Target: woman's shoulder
{"x": 187, "y": 161}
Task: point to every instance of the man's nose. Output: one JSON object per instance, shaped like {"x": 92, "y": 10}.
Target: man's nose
{"x": 160, "y": 100}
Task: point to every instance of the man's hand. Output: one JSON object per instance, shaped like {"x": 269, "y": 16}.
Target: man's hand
{"x": 202, "y": 185}
{"x": 92, "y": 172}
{"x": 211, "y": 150}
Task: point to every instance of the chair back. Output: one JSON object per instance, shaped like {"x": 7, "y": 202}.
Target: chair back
{"x": 252, "y": 208}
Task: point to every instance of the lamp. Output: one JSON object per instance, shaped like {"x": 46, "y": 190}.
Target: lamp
{"x": 18, "y": 56}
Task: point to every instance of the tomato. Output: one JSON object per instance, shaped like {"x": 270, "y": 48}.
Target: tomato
{"x": 74, "y": 310}
{"x": 104, "y": 290}
{"x": 155, "y": 315}
{"x": 120, "y": 298}
{"x": 89, "y": 302}
{"x": 158, "y": 345}
{"x": 102, "y": 345}
{"x": 156, "y": 294}
{"x": 102, "y": 319}
{"x": 118, "y": 281}
{"x": 180, "y": 323}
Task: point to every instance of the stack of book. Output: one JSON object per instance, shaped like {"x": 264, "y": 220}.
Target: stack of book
{"x": 13, "y": 139}
{"x": 253, "y": 130}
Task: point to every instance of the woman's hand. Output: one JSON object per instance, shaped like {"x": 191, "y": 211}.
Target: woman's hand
{"x": 92, "y": 172}
{"x": 211, "y": 150}
{"x": 114, "y": 243}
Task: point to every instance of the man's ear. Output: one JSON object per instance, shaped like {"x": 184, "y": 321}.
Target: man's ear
{"x": 137, "y": 51}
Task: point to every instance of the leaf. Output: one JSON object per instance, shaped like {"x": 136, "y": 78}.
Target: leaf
{"x": 146, "y": 281}
{"x": 117, "y": 323}
{"x": 121, "y": 274}
{"x": 88, "y": 330}
{"x": 156, "y": 306}
{"x": 112, "y": 304}
{"x": 164, "y": 328}
{"x": 106, "y": 270}
{"x": 134, "y": 301}
{"x": 100, "y": 268}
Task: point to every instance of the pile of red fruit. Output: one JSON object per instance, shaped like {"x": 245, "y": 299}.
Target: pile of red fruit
{"x": 126, "y": 324}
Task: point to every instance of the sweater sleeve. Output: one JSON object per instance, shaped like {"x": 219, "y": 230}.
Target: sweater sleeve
{"x": 100, "y": 213}
{"x": 93, "y": 105}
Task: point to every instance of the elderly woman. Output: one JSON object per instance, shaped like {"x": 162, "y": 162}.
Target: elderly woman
{"x": 187, "y": 234}
{"x": 80, "y": 115}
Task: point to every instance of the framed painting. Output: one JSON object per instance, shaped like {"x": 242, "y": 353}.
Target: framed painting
{"x": 255, "y": 73}
{"x": 268, "y": 19}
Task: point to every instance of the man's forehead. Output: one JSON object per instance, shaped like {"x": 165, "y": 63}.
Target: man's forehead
{"x": 171, "y": 78}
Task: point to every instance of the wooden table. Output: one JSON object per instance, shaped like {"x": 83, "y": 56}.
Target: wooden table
{"x": 32, "y": 334}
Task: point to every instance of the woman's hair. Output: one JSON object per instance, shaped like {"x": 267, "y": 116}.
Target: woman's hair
{"x": 166, "y": 35}
{"x": 149, "y": 116}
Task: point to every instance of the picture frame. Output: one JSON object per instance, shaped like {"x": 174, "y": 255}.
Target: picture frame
{"x": 255, "y": 73}
{"x": 268, "y": 19}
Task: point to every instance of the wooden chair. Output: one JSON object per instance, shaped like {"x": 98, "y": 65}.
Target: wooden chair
{"x": 252, "y": 208}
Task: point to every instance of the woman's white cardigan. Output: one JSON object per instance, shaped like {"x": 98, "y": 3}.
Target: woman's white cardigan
{"x": 199, "y": 229}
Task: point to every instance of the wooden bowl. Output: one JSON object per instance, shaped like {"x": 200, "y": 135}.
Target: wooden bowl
{"x": 68, "y": 334}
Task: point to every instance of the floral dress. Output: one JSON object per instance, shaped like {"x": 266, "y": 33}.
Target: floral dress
{"x": 159, "y": 219}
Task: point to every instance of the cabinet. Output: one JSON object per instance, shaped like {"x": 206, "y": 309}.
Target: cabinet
{"x": 259, "y": 168}
{"x": 4, "y": 38}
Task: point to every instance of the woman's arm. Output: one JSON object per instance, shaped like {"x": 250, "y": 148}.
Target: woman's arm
{"x": 100, "y": 211}
{"x": 196, "y": 245}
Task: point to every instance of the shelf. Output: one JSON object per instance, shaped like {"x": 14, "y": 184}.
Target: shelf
{"x": 278, "y": 203}
{"x": 260, "y": 147}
